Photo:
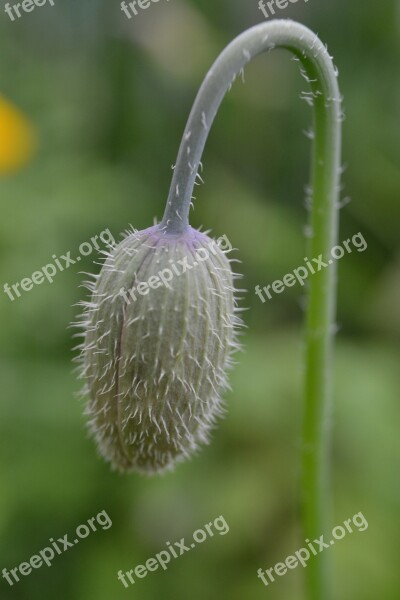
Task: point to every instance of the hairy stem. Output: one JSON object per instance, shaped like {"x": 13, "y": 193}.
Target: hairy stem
{"x": 324, "y": 96}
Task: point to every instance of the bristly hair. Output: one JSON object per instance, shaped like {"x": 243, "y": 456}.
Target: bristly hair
{"x": 155, "y": 364}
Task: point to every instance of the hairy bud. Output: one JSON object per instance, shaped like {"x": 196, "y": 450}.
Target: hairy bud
{"x": 159, "y": 332}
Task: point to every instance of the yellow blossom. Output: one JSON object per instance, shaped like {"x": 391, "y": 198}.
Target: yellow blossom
{"x": 17, "y": 138}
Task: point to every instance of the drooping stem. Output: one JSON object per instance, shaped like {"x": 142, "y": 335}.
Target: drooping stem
{"x": 325, "y": 98}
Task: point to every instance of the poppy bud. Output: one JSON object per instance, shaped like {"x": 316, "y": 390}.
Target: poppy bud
{"x": 159, "y": 332}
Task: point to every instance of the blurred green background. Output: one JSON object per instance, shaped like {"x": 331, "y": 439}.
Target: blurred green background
{"x": 109, "y": 98}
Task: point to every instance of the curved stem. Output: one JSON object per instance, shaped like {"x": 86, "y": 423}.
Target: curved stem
{"x": 325, "y": 98}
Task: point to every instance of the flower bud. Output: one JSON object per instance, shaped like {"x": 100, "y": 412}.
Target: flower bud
{"x": 159, "y": 332}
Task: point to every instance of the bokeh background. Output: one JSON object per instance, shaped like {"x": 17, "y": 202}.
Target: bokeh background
{"x": 108, "y": 99}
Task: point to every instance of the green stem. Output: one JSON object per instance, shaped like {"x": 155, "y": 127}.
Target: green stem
{"x": 325, "y": 98}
